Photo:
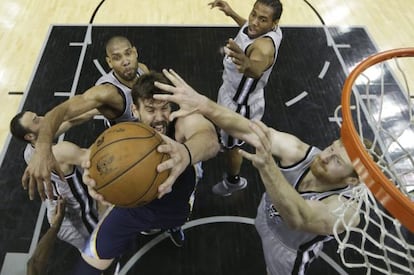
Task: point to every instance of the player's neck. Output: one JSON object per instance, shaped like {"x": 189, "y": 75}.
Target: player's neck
{"x": 130, "y": 83}
{"x": 312, "y": 183}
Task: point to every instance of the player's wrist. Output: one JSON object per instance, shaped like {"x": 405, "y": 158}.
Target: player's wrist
{"x": 189, "y": 154}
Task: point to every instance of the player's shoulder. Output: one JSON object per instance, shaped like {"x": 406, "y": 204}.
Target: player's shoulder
{"x": 143, "y": 67}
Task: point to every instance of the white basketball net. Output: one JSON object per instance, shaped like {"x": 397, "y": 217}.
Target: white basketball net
{"x": 382, "y": 113}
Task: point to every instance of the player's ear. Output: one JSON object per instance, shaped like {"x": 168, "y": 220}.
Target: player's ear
{"x": 352, "y": 180}
{"x": 30, "y": 137}
{"x": 108, "y": 61}
{"x": 275, "y": 23}
{"x": 134, "y": 111}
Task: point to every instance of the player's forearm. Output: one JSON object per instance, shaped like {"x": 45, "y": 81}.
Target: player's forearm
{"x": 66, "y": 111}
{"x": 66, "y": 125}
{"x": 203, "y": 145}
{"x": 50, "y": 126}
{"x": 254, "y": 69}
{"x": 237, "y": 18}
{"x": 231, "y": 122}
{"x": 257, "y": 62}
{"x": 38, "y": 261}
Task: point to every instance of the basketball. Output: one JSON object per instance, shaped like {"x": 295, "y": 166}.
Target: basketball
{"x": 124, "y": 161}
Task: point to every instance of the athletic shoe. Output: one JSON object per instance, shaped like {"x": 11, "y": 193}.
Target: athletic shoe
{"x": 151, "y": 232}
{"x": 177, "y": 236}
{"x": 225, "y": 188}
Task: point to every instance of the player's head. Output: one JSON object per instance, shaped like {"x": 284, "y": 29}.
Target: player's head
{"x": 25, "y": 126}
{"x": 147, "y": 109}
{"x": 122, "y": 57}
{"x": 333, "y": 166}
{"x": 264, "y": 17}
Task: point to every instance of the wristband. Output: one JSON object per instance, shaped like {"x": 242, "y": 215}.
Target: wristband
{"x": 189, "y": 153}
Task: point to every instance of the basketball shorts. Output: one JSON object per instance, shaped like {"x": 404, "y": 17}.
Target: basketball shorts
{"x": 119, "y": 227}
{"x": 254, "y": 110}
{"x": 72, "y": 230}
{"x": 279, "y": 258}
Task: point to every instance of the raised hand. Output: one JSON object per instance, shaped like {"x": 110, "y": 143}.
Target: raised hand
{"x": 38, "y": 173}
{"x": 181, "y": 93}
{"x": 221, "y": 5}
{"x": 237, "y": 55}
{"x": 177, "y": 163}
{"x": 261, "y": 140}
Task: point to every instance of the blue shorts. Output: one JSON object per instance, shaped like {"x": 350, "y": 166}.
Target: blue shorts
{"x": 119, "y": 227}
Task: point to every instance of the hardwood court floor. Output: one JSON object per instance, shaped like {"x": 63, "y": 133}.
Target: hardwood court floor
{"x": 220, "y": 236}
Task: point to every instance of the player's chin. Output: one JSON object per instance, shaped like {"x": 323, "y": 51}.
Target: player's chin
{"x": 129, "y": 76}
{"x": 252, "y": 34}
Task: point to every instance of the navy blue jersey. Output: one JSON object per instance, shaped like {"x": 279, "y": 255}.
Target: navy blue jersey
{"x": 119, "y": 227}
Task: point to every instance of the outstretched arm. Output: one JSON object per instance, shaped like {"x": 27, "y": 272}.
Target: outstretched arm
{"x": 192, "y": 102}
{"x": 300, "y": 214}
{"x": 196, "y": 140}
{"x": 37, "y": 173}
{"x": 66, "y": 125}
{"x": 285, "y": 146}
{"x": 225, "y": 7}
{"x": 258, "y": 58}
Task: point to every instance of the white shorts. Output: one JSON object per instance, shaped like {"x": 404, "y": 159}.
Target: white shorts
{"x": 251, "y": 111}
{"x": 72, "y": 230}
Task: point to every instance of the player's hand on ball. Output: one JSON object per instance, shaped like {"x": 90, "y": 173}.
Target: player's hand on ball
{"x": 90, "y": 183}
{"x": 177, "y": 163}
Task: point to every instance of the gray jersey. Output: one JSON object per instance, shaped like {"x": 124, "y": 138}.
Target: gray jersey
{"x": 244, "y": 90}
{"x": 81, "y": 214}
{"x": 124, "y": 91}
{"x": 289, "y": 251}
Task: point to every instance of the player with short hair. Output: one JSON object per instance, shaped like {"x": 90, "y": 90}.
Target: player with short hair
{"x": 188, "y": 140}
{"x": 303, "y": 183}
{"x": 111, "y": 97}
{"x": 81, "y": 209}
{"x": 248, "y": 61}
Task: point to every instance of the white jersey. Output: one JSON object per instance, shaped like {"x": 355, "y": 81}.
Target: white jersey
{"x": 124, "y": 91}
{"x": 242, "y": 94}
{"x": 289, "y": 251}
{"x": 245, "y": 90}
{"x": 81, "y": 214}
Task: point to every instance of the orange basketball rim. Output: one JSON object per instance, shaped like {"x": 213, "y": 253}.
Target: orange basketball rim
{"x": 398, "y": 204}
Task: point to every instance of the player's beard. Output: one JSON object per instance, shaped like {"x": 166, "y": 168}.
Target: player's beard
{"x": 129, "y": 74}
{"x": 320, "y": 171}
